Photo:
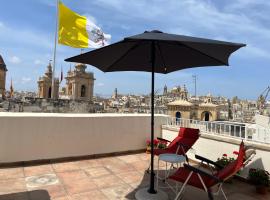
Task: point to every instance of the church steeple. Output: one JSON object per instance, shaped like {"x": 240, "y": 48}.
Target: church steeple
{"x": 48, "y": 73}
{"x": 165, "y": 90}
{"x": 11, "y": 89}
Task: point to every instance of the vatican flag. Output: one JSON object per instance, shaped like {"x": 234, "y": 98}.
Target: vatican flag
{"x": 77, "y": 31}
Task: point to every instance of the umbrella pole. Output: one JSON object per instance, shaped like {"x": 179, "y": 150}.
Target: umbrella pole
{"x": 151, "y": 193}
{"x": 152, "y": 175}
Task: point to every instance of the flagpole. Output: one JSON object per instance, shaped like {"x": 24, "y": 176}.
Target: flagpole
{"x": 54, "y": 52}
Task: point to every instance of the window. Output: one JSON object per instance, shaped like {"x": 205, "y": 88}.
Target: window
{"x": 83, "y": 91}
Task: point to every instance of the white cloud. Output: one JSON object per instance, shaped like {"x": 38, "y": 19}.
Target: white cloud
{"x": 235, "y": 20}
{"x": 100, "y": 84}
{"x": 254, "y": 51}
{"x": 15, "y": 60}
{"x": 25, "y": 37}
{"x": 25, "y": 80}
{"x": 38, "y": 62}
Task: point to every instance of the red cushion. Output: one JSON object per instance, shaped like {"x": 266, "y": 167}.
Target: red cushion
{"x": 186, "y": 136}
{"x": 157, "y": 152}
{"x": 189, "y": 132}
{"x": 182, "y": 173}
{"x": 174, "y": 142}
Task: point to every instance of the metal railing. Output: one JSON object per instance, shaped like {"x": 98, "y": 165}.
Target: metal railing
{"x": 229, "y": 129}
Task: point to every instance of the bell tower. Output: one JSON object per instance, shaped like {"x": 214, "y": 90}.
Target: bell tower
{"x": 45, "y": 84}
{"x": 80, "y": 84}
{"x": 3, "y": 70}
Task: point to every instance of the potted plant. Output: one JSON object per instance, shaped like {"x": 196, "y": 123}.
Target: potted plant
{"x": 162, "y": 144}
{"x": 260, "y": 178}
{"x": 224, "y": 160}
{"x": 148, "y": 145}
{"x": 158, "y": 144}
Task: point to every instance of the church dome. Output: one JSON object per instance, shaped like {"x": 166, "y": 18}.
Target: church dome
{"x": 180, "y": 102}
{"x": 2, "y": 64}
{"x": 208, "y": 104}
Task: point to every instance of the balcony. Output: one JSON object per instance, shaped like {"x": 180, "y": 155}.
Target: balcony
{"x": 83, "y": 157}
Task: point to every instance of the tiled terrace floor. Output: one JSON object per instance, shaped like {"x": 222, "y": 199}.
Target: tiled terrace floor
{"x": 99, "y": 179}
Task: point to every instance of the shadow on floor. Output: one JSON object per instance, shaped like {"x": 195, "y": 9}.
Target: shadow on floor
{"x": 145, "y": 182}
{"x": 31, "y": 195}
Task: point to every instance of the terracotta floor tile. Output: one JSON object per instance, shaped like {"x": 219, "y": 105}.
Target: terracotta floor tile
{"x": 129, "y": 158}
{"x": 119, "y": 192}
{"x": 37, "y": 170}
{"x": 110, "y": 161}
{"x": 94, "y": 194}
{"x": 54, "y": 191}
{"x": 107, "y": 178}
{"x": 144, "y": 156}
{"x": 140, "y": 184}
{"x": 79, "y": 186}
{"x": 108, "y": 181}
{"x": 130, "y": 177}
{"x": 7, "y": 173}
{"x": 68, "y": 176}
{"x": 68, "y": 166}
{"x": 12, "y": 185}
{"x": 97, "y": 172}
{"x": 119, "y": 168}
{"x": 83, "y": 164}
{"x": 95, "y": 163}
{"x": 62, "y": 198}
{"x": 140, "y": 165}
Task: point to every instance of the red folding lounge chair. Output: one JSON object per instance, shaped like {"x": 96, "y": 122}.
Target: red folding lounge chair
{"x": 195, "y": 177}
{"x": 181, "y": 144}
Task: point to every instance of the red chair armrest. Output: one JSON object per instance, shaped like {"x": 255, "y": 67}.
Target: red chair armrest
{"x": 199, "y": 171}
{"x": 162, "y": 139}
{"x": 203, "y": 159}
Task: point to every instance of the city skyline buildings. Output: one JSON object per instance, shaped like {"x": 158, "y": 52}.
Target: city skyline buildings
{"x": 27, "y": 43}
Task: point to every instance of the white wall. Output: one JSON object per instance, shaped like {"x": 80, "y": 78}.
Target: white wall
{"x": 30, "y": 136}
{"x": 263, "y": 121}
{"x": 213, "y": 147}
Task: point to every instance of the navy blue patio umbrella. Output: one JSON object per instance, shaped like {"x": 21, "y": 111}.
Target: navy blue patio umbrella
{"x": 158, "y": 52}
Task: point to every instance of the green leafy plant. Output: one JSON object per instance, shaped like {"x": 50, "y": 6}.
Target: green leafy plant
{"x": 259, "y": 177}
{"x": 162, "y": 144}
{"x": 224, "y": 160}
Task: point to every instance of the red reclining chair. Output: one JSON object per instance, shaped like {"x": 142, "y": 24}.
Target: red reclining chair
{"x": 181, "y": 144}
{"x": 195, "y": 177}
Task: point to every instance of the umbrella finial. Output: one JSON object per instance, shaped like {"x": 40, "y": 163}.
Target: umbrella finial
{"x": 153, "y": 31}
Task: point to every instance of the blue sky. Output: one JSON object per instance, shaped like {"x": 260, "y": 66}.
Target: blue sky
{"x": 27, "y": 38}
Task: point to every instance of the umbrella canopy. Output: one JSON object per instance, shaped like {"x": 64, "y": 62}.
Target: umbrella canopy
{"x": 172, "y": 53}
{"x": 158, "y": 52}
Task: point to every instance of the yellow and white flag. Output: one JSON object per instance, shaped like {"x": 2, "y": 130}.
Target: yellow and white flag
{"x": 77, "y": 31}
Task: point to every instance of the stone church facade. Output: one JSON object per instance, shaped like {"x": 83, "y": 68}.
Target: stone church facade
{"x": 79, "y": 84}
{"x": 45, "y": 85}
{"x": 182, "y": 108}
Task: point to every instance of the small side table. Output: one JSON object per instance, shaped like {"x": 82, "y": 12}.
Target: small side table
{"x": 172, "y": 159}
